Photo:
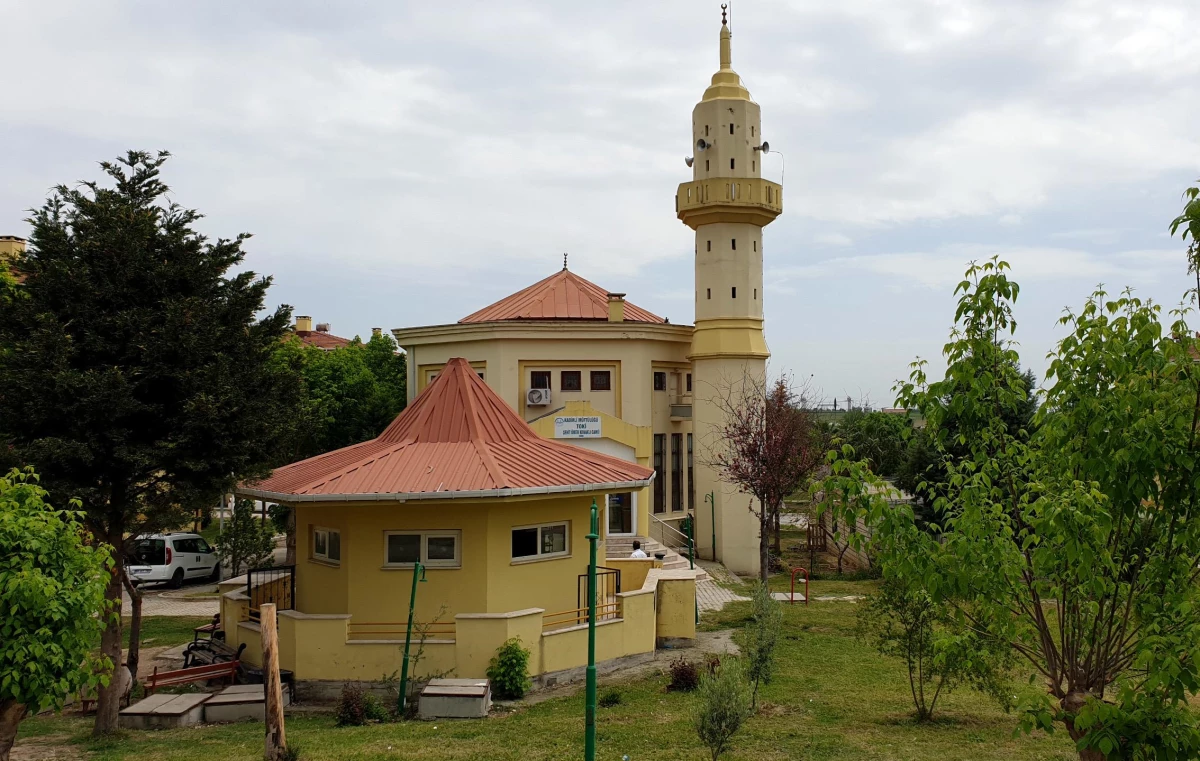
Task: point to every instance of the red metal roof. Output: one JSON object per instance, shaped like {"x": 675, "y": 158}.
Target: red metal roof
{"x": 562, "y": 296}
{"x": 457, "y": 439}
{"x": 321, "y": 339}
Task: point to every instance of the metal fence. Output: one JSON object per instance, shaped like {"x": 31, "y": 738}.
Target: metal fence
{"x": 276, "y": 584}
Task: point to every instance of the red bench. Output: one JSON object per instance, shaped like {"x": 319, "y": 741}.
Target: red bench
{"x": 228, "y": 670}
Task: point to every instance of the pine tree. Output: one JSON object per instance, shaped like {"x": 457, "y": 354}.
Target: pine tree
{"x": 135, "y": 375}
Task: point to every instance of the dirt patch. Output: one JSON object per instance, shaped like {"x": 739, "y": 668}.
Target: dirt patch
{"x": 46, "y": 748}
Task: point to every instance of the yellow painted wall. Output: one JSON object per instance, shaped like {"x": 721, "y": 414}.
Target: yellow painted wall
{"x": 479, "y": 636}
{"x": 320, "y": 588}
{"x": 676, "y": 614}
{"x": 549, "y": 584}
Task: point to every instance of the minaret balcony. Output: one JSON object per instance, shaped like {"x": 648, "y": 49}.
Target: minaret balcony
{"x": 750, "y": 200}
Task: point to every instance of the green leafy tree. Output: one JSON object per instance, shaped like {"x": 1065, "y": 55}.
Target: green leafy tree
{"x": 1076, "y": 548}
{"x": 137, "y": 376}
{"x": 52, "y": 582}
{"x": 247, "y": 541}
{"x": 908, "y": 623}
{"x": 762, "y": 636}
{"x": 722, "y": 706}
{"x": 878, "y": 437}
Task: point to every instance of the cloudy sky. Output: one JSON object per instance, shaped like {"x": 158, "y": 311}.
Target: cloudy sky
{"x": 405, "y": 164}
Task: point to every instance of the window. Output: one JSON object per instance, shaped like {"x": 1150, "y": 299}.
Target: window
{"x": 436, "y": 549}
{"x": 706, "y": 165}
{"x": 731, "y": 128}
{"x": 755, "y": 245}
{"x": 571, "y": 380}
{"x": 753, "y": 164}
{"x": 660, "y": 442}
{"x": 733, "y": 243}
{"x": 660, "y": 381}
{"x": 185, "y": 546}
{"x": 202, "y": 547}
{"x": 676, "y": 472}
{"x": 710, "y": 245}
{"x": 731, "y": 163}
{"x": 539, "y": 379}
{"x": 689, "y": 387}
{"x": 601, "y": 380}
{"x": 751, "y": 130}
{"x": 706, "y": 130}
{"x": 691, "y": 479}
{"x": 529, "y": 542}
{"x": 733, "y": 291}
{"x": 327, "y": 545}
{"x": 709, "y": 292}
{"x": 756, "y": 294}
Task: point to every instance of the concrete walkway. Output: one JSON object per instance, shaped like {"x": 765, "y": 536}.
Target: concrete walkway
{"x": 175, "y": 602}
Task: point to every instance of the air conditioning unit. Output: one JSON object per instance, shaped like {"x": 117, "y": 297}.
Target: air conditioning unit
{"x": 537, "y": 397}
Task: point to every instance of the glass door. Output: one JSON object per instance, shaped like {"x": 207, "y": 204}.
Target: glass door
{"x": 622, "y": 515}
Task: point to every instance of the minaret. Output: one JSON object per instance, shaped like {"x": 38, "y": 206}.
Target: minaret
{"x": 727, "y": 203}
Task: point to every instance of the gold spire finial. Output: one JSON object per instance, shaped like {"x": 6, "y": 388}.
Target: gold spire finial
{"x": 723, "y": 7}
{"x": 564, "y": 260}
{"x": 726, "y": 55}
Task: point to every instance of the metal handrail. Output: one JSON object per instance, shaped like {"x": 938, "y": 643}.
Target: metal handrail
{"x": 679, "y": 545}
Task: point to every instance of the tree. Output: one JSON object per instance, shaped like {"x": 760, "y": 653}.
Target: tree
{"x": 52, "y": 583}
{"x": 138, "y": 378}
{"x": 722, "y": 707}
{"x": 762, "y": 635}
{"x": 1076, "y": 548}
{"x": 908, "y": 623}
{"x": 767, "y": 447}
{"x": 878, "y": 437}
{"x": 247, "y": 541}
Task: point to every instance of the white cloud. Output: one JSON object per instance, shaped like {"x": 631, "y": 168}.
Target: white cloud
{"x": 832, "y": 239}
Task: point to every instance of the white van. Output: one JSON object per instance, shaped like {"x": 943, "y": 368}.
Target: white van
{"x": 172, "y": 558}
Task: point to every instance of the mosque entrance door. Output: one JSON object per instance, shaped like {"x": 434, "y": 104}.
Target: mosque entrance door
{"x": 622, "y": 514}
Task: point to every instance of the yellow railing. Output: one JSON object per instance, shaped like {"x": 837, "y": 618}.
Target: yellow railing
{"x": 604, "y": 612}
{"x": 386, "y": 629}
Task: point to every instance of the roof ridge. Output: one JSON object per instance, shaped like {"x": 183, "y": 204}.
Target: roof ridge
{"x": 465, "y": 388}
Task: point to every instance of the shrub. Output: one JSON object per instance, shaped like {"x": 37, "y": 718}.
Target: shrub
{"x": 723, "y": 707}
{"x": 356, "y": 707}
{"x": 351, "y": 708}
{"x": 685, "y": 675}
{"x": 761, "y": 638}
{"x": 610, "y": 698}
{"x": 509, "y": 671}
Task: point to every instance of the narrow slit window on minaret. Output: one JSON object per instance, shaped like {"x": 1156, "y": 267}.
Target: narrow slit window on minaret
{"x": 754, "y": 244}
{"x": 731, "y": 128}
{"x": 706, "y": 165}
{"x": 752, "y": 165}
{"x": 709, "y": 293}
{"x": 756, "y": 294}
{"x": 751, "y": 130}
{"x": 734, "y": 291}
{"x": 706, "y": 130}
{"x": 731, "y": 163}
{"x": 710, "y": 245}
{"x": 733, "y": 243}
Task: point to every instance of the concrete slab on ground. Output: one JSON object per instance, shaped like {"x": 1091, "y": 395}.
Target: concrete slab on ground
{"x": 787, "y": 596}
{"x": 455, "y": 699}
{"x": 239, "y": 702}
{"x": 164, "y": 711}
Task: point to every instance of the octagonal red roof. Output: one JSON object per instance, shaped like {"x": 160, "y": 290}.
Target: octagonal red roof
{"x": 457, "y": 439}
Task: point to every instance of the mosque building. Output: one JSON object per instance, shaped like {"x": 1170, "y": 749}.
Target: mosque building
{"x": 580, "y": 363}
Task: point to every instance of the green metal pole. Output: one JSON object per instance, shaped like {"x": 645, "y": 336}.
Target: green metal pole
{"x": 692, "y": 555}
{"x": 589, "y": 737}
{"x": 418, "y": 574}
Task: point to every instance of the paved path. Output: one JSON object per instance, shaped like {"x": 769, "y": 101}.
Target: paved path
{"x": 712, "y": 596}
{"x": 175, "y": 602}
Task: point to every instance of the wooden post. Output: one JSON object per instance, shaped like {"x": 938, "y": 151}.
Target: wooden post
{"x": 276, "y": 741}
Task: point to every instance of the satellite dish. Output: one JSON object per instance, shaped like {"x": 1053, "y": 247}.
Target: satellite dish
{"x": 701, "y": 144}
{"x": 688, "y": 160}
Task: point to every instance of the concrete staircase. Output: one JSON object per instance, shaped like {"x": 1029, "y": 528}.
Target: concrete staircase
{"x": 622, "y": 546}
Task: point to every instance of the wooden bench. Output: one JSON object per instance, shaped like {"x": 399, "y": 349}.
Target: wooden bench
{"x": 226, "y": 670}
{"x": 210, "y": 629}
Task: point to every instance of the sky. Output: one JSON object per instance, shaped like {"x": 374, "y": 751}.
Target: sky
{"x": 404, "y": 164}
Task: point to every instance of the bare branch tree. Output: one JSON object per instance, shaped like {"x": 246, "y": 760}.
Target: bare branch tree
{"x": 767, "y": 446}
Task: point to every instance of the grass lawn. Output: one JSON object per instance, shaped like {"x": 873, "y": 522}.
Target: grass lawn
{"x": 833, "y": 698}
{"x": 162, "y": 631}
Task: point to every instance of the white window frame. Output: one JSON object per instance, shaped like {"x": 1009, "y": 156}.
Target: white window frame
{"x": 541, "y": 555}
{"x": 325, "y": 557}
{"x": 426, "y": 535}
